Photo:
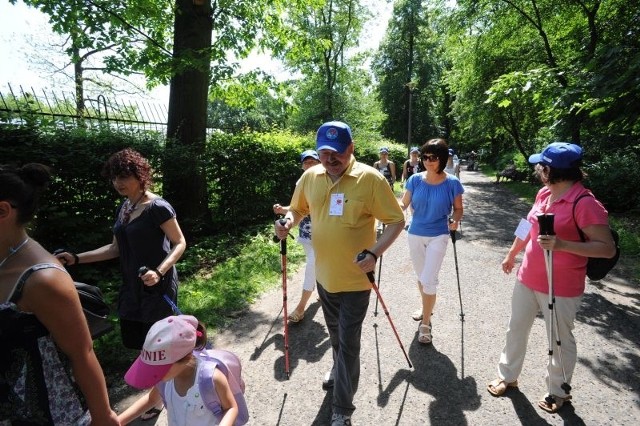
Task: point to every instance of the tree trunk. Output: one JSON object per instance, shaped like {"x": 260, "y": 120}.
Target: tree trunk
{"x": 185, "y": 185}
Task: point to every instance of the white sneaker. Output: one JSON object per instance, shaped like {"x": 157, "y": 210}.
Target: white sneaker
{"x": 329, "y": 378}
{"x": 340, "y": 420}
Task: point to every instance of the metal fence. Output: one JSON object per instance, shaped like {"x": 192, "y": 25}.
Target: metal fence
{"x": 60, "y": 110}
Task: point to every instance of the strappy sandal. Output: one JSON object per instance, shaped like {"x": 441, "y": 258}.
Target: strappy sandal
{"x": 552, "y": 403}
{"x": 295, "y": 317}
{"x": 498, "y": 387}
{"x": 424, "y": 333}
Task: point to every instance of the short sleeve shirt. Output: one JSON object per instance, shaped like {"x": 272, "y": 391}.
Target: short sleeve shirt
{"x": 432, "y": 204}
{"x": 337, "y": 239}
{"x": 569, "y": 270}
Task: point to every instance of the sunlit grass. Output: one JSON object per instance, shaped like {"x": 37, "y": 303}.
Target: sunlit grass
{"x": 229, "y": 273}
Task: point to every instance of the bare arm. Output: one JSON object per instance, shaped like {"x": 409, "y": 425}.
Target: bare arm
{"x": 392, "y": 167}
{"x": 457, "y": 213}
{"x": 178, "y": 245}
{"x": 140, "y": 406}
{"x": 109, "y": 251}
{"x": 405, "y": 201}
{"x": 385, "y": 240}
{"x": 227, "y": 400}
{"x": 510, "y": 259}
{"x": 52, "y": 297}
{"x": 404, "y": 171}
{"x": 599, "y": 243}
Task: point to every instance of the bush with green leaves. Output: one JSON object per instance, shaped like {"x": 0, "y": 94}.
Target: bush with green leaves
{"x": 613, "y": 180}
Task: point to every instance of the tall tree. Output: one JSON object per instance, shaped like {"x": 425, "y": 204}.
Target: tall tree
{"x": 321, "y": 34}
{"x": 409, "y": 72}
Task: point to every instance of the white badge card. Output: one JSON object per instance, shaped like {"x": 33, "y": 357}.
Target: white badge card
{"x": 522, "y": 231}
{"x": 337, "y": 205}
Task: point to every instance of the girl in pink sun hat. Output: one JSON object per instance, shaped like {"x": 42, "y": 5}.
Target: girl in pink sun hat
{"x": 167, "y": 364}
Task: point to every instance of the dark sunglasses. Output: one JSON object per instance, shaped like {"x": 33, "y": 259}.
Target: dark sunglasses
{"x": 430, "y": 157}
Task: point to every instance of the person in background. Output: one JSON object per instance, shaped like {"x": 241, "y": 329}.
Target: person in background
{"x": 410, "y": 167}
{"x": 453, "y": 164}
{"x": 309, "y": 159}
{"x": 386, "y": 166}
{"x": 344, "y": 198}
{"x": 168, "y": 356}
{"x": 48, "y": 368}
{"x": 436, "y": 199}
{"x": 145, "y": 233}
{"x": 558, "y": 168}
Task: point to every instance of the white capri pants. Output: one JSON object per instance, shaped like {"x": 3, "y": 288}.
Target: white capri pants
{"x": 427, "y": 254}
{"x": 309, "y": 283}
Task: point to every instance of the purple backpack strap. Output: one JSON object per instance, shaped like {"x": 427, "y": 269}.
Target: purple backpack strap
{"x": 222, "y": 360}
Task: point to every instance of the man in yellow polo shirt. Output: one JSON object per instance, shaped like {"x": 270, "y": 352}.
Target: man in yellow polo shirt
{"x": 344, "y": 198}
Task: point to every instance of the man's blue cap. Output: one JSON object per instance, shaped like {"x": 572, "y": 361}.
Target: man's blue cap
{"x": 415, "y": 149}
{"x": 559, "y": 155}
{"x": 451, "y": 151}
{"x": 309, "y": 153}
{"x": 334, "y": 135}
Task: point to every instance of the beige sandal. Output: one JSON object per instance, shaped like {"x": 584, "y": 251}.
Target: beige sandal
{"x": 424, "y": 334}
{"x": 295, "y": 317}
{"x": 552, "y": 403}
{"x": 498, "y": 387}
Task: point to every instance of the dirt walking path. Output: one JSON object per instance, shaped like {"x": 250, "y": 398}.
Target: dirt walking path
{"x": 447, "y": 384}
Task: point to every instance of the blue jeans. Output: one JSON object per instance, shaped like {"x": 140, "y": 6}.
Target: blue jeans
{"x": 344, "y": 313}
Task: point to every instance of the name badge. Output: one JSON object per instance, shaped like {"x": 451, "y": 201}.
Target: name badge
{"x": 522, "y": 231}
{"x": 337, "y": 205}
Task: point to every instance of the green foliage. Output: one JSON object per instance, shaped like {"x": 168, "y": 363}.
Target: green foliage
{"x": 614, "y": 178}
{"x": 248, "y": 173}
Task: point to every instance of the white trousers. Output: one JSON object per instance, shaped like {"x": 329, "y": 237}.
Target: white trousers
{"x": 309, "y": 283}
{"x": 427, "y": 254}
{"x": 525, "y": 305}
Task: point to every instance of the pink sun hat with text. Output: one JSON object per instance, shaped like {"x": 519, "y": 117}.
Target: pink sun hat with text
{"x": 168, "y": 341}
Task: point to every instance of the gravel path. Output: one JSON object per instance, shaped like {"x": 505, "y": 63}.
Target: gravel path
{"x": 447, "y": 384}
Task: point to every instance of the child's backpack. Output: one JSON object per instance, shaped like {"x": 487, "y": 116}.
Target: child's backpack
{"x": 229, "y": 364}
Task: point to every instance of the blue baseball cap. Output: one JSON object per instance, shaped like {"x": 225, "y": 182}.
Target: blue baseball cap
{"x": 334, "y": 135}
{"x": 384, "y": 150}
{"x": 415, "y": 149}
{"x": 559, "y": 155}
{"x": 309, "y": 153}
{"x": 451, "y": 151}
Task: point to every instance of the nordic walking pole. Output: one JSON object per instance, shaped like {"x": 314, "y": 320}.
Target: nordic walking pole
{"x": 375, "y": 312}
{"x": 546, "y": 228}
{"x": 372, "y": 280}
{"x": 283, "y": 263}
{"x": 455, "y": 258}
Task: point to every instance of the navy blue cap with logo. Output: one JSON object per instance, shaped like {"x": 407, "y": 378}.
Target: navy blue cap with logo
{"x": 334, "y": 136}
{"x": 559, "y": 155}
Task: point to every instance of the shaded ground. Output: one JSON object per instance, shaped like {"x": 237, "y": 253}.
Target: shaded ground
{"x": 446, "y": 385}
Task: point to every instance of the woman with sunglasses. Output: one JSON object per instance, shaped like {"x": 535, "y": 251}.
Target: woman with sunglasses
{"x": 145, "y": 233}
{"x": 436, "y": 199}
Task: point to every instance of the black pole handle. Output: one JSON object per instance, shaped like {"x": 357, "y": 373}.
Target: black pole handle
{"x": 370, "y": 274}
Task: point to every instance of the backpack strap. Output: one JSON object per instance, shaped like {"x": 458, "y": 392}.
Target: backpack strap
{"x": 573, "y": 215}
{"x": 16, "y": 294}
{"x": 207, "y": 388}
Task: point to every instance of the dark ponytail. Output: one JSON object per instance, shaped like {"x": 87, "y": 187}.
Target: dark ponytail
{"x": 23, "y": 186}
{"x": 201, "y": 339}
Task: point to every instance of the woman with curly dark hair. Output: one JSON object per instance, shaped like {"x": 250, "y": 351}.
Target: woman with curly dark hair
{"x": 145, "y": 233}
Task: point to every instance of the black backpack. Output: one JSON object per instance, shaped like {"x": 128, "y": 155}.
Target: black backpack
{"x": 598, "y": 267}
